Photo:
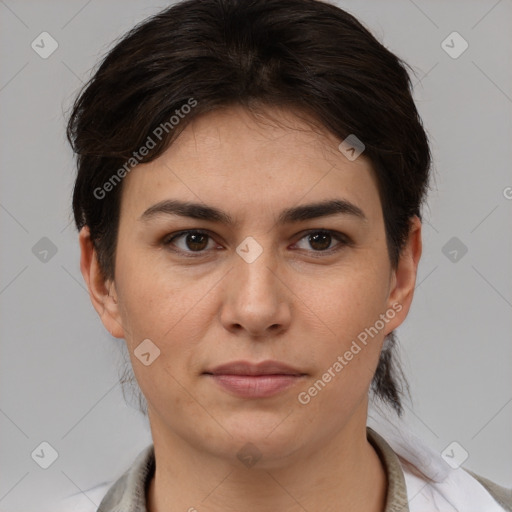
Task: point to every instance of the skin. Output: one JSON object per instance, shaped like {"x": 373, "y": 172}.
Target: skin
{"x": 293, "y": 304}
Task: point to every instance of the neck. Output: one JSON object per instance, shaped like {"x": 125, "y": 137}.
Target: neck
{"x": 343, "y": 474}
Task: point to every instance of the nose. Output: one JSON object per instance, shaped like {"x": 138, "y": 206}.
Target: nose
{"x": 256, "y": 298}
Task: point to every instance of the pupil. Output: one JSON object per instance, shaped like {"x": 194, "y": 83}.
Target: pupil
{"x": 194, "y": 243}
{"x": 324, "y": 240}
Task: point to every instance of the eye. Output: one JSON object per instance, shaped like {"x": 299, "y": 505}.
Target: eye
{"x": 193, "y": 241}
{"x": 321, "y": 240}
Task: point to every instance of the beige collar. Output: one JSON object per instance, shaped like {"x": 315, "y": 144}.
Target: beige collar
{"x": 396, "y": 499}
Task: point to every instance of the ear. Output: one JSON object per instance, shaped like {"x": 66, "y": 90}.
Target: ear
{"x": 101, "y": 291}
{"x": 403, "y": 278}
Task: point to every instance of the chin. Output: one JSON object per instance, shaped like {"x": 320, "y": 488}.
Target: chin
{"x": 269, "y": 433}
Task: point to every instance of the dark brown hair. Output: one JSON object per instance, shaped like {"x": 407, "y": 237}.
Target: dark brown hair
{"x": 306, "y": 55}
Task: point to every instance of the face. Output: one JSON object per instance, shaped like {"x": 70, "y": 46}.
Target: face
{"x": 313, "y": 289}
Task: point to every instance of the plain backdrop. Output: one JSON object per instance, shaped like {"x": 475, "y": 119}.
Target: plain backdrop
{"x": 59, "y": 367}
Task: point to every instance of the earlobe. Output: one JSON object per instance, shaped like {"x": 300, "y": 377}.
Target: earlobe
{"x": 403, "y": 279}
{"x": 102, "y": 292}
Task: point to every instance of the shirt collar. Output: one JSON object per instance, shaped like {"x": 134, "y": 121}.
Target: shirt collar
{"x": 128, "y": 494}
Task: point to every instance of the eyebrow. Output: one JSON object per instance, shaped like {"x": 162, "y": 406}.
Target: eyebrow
{"x": 290, "y": 215}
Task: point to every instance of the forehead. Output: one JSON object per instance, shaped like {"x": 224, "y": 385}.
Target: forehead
{"x": 235, "y": 157}
{"x": 237, "y": 133}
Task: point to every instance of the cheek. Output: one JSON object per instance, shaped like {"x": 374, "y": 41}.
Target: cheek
{"x": 348, "y": 300}
{"x": 148, "y": 291}
{"x": 349, "y": 336}
{"x": 171, "y": 307}
{"x": 347, "y": 353}
{"x": 166, "y": 309}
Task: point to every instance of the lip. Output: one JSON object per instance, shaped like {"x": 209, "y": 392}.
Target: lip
{"x": 254, "y": 369}
{"x": 255, "y": 386}
{"x": 255, "y": 380}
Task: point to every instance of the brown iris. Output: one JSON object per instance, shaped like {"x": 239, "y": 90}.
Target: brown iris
{"x": 196, "y": 241}
{"x": 320, "y": 241}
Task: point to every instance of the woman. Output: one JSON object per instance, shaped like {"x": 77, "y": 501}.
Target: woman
{"x": 250, "y": 180}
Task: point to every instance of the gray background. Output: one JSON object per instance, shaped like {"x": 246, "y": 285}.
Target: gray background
{"x": 59, "y": 367}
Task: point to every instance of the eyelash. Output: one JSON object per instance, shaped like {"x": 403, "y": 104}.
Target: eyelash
{"x": 343, "y": 240}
